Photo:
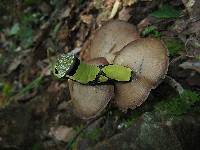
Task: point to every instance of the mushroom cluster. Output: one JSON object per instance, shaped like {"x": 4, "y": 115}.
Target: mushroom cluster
{"x": 118, "y": 42}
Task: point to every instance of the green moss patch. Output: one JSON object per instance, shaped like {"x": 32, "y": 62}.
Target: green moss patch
{"x": 178, "y": 105}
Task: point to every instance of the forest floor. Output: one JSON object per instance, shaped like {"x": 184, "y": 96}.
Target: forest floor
{"x": 35, "y": 108}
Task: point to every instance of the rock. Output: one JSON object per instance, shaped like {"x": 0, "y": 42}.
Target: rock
{"x": 62, "y": 133}
{"x": 13, "y": 127}
{"x": 153, "y": 132}
{"x": 26, "y": 126}
{"x": 187, "y": 130}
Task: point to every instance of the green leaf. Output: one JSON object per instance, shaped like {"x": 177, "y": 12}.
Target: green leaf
{"x": 31, "y": 2}
{"x": 92, "y": 134}
{"x": 15, "y": 29}
{"x": 26, "y": 36}
{"x": 151, "y": 31}
{"x": 166, "y": 12}
{"x": 6, "y": 89}
{"x": 30, "y": 18}
{"x": 174, "y": 46}
{"x": 34, "y": 84}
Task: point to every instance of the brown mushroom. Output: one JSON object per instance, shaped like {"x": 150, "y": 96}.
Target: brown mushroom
{"x": 89, "y": 101}
{"x": 119, "y": 43}
{"x": 110, "y": 39}
{"x": 149, "y": 59}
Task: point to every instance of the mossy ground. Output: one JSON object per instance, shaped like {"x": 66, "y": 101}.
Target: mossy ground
{"x": 178, "y": 105}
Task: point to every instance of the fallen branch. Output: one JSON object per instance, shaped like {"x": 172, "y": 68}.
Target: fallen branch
{"x": 173, "y": 83}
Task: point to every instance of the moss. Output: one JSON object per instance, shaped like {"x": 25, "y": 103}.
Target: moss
{"x": 92, "y": 134}
{"x": 31, "y": 2}
{"x": 166, "y": 12}
{"x": 174, "y": 46}
{"x": 178, "y": 105}
{"x": 37, "y": 146}
{"x": 131, "y": 119}
{"x": 151, "y": 31}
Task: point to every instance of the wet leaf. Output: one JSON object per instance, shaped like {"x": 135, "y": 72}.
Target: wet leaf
{"x": 193, "y": 65}
{"x": 129, "y": 2}
{"x": 166, "y": 12}
{"x": 26, "y": 36}
{"x": 62, "y": 133}
{"x": 174, "y": 46}
{"x": 124, "y": 14}
{"x": 14, "y": 65}
{"x": 15, "y": 29}
{"x": 6, "y": 89}
{"x": 87, "y": 19}
{"x": 151, "y": 31}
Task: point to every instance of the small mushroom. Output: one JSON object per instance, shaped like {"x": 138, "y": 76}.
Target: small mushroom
{"x": 149, "y": 59}
{"x": 89, "y": 101}
{"x": 110, "y": 39}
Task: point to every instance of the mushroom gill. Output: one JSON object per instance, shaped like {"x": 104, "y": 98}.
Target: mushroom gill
{"x": 149, "y": 59}
{"x": 110, "y": 39}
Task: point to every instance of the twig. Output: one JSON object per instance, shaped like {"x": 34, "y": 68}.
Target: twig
{"x": 173, "y": 83}
{"x": 115, "y": 9}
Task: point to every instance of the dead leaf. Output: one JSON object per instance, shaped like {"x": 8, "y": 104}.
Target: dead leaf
{"x": 18, "y": 60}
{"x": 65, "y": 13}
{"x": 192, "y": 45}
{"x": 109, "y": 3}
{"x": 115, "y": 9}
{"x": 44, "y": 7}
{"x": 194, "y": 80}
{"x": 128, "y": 2}
{"x": 124, "y": 14}
{"x": 188, "y": 4}
{"x": 87, "y": 19}
{"x": 146, "y": 22}
{"x": 62, "y": 133}
{"x": 14, "y": 65}
{"x": 193, "y": 65}
{"x": 63, "y": 33}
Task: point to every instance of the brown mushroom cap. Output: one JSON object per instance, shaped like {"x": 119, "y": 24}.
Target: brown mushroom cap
{"x": 149, "y": 59}
{"x": 89, "y": 101}
{"x": 111, "y": 38}
{"x": 119, "y": 43}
